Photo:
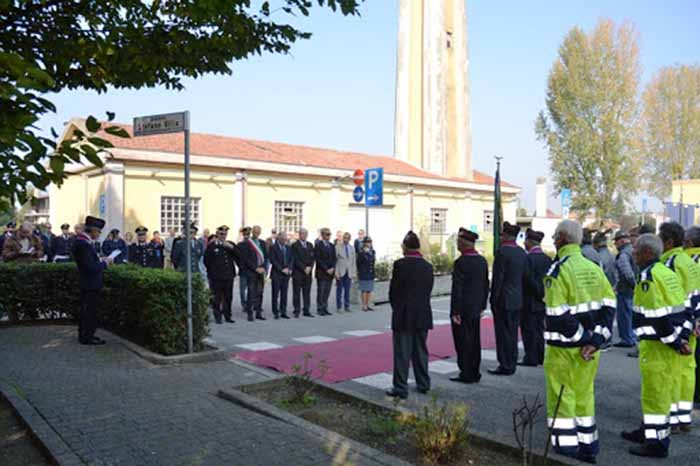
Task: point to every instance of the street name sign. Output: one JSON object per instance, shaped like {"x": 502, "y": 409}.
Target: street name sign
{"x": 161, "y": 124}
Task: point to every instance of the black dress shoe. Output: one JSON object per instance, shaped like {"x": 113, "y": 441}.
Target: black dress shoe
{"x": 285, "y": 316}
{"x": 296, "y": 315}
{"x": 423, "y": 391}
{"x": 461, "y": 380}
{"x": 622, "y": 344}
{"x": 277, "y": 317}
{"x": 230, "y": 320}
{"x": 93, "y": 341}
{"x": 586, "y": 458}
{"x": 527, "y": 364}
{"x": 260, "y": 317}
{"x": 499, "y": 371}
{"x": 308, "y": 314}
{"x": 250, "y": 317}
{"x": 218, "y": 321}
{"x": 394, "y": 394}
{"x": 649, "y": 451}
{"x": 634, "y": 436}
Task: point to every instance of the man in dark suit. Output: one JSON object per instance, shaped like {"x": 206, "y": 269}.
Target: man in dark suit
{"x": 470, "y": 291}
{"x": 262, "y": 247}
{"x": 220, "y": 258}
{"x": 324, "y": 253}
{"x": 281, "y": 259}
{"x": 90, "y": 271}
{"x": 251, "y": 262}
{"x": 411, "y": 317}
{"x": 302, "y": 265}
{"x": 532, "y": 317}
{"x": 509, "y": 269}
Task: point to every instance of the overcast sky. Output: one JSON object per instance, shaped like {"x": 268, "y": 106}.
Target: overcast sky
{"x": 337, "y": 90}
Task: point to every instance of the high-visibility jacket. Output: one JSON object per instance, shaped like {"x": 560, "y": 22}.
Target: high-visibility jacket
{"x": 688, "y": 273}
{"x": 579, "y": 301}
{"x": 694, "y": 254}
{"x": 658, "y": 297}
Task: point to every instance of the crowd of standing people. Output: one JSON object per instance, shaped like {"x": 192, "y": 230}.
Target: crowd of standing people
{"x": 565, "y": 307}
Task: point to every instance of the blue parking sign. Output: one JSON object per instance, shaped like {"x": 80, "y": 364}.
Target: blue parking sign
{"x": 374, "y": 187}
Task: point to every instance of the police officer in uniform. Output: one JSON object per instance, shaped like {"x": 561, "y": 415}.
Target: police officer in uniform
{"x": 532, "y": 317}
{"x": 141, "y": 252}
{"x": 62, "y": 244}
{"x": 509, "y": 269}
{"x": 658, "y": 297}
{"x": 470, "y": 291}
{"x": 110, "y": 245}
{"x": 220, "y": 258}
{"x": 179, "y": 255}
{"x": 90, "y": 271}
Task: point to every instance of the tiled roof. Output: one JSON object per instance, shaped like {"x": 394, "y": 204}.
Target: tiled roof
{"x": 274, "y": 152}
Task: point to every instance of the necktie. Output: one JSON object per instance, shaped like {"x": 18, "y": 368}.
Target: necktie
{"x": 347, "y": 252}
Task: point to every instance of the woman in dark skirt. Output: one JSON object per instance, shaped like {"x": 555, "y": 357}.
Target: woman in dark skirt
{"x": 365, "y": 272}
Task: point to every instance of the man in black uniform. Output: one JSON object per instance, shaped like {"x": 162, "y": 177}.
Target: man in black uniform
{"x": 324, "y": 253}
{"x": 9, "y": 231}
{"x": 251, "y": 261}
{"x": 470, "y": 291}
{"x": 532, "y": 317}
{"x": 61, "y": 245}
{"x": 219, "y": 259}
{"x": 90, "y": 271}
{"x": 141, "y": 252}
{"x": 411, "y": 317}
{"x": 281, "y": 259}
{"x": 509, "y": 268}
{"x": 302, "y": 265}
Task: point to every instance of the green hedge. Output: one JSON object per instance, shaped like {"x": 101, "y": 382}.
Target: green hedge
{"x": 146, "y": 306}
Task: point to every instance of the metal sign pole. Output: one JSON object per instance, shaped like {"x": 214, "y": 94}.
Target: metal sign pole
{"x": 366, "y": 218}
{"x": 188, "y": 234}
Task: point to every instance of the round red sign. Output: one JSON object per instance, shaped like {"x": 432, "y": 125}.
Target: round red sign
{"x": 358, "y": 177}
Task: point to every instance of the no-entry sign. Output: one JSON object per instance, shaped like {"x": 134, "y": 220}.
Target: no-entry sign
{"x": 358, "y": 177}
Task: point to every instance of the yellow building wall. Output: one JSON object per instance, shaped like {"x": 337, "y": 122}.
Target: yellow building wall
{"x": 68, "y": 202}
{"x": 143, "y": 192}
{"x": 689, "y": 190}
{"x": 263, "y": 191}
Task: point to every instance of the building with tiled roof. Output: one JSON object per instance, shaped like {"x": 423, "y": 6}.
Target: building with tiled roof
{"x": 237, "y": 182}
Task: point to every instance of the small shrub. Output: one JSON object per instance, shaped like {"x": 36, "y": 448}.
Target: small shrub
{"x": 301, "y": 382}
{"x": 387, "y": 428}
{"x": 382, "y": 270}
{"x": 441, "y": 263}
{"x": 441, "y": 431}
{"x": 146, "y": 306}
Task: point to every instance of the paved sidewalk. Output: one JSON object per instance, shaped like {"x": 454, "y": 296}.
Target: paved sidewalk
{"x": 113, "y": 408}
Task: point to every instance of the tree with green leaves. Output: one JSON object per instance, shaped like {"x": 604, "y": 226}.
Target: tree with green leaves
{"x": 47, "y": 46}
{"x": 671, "y": 123}
{"x": 590, "y": 126}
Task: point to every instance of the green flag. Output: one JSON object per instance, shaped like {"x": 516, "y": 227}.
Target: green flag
{"x": 497, "y": 209}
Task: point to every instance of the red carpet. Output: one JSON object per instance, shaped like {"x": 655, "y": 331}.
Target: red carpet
{"x": 354, "y": 357}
